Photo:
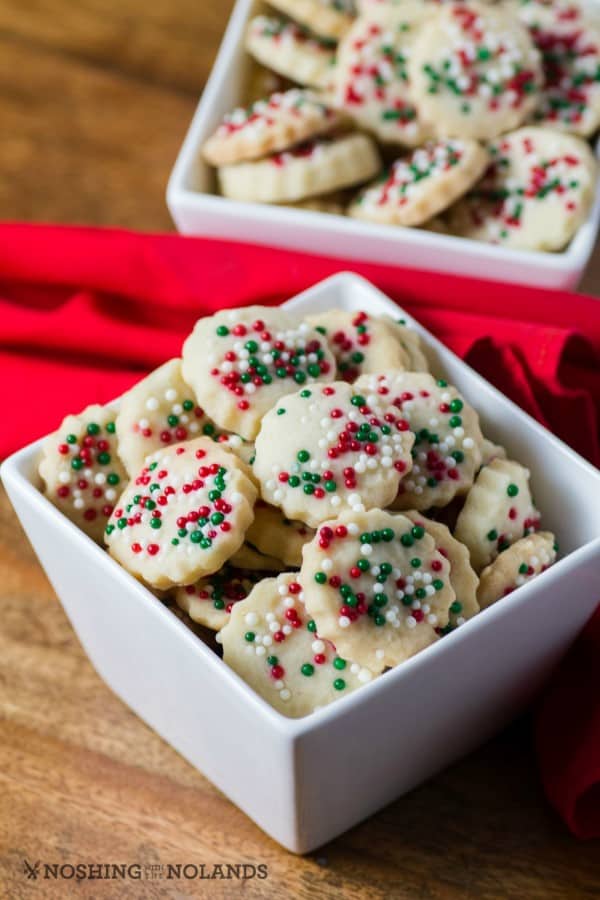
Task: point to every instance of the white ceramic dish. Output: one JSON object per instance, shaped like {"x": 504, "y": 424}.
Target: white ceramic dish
{"x": 197, "y": 210}
{"x": 304, "y": 781}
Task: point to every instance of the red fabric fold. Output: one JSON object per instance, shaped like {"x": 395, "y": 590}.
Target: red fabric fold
{"x": 85, "y": 312}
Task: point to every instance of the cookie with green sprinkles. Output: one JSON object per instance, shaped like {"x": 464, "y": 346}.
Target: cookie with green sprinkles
{"x": 411, "y": 343}
{"x": 271, "y": 641}
{"x": 183, "y": 515}
{"x": 371, "y": 83}
{"x": 81, "y": 470}
{"x": 446, "y": 452}
{"x": 360, "y": 342}
{"x": 160, "y": 410}
{"x": 475, "y": 71}
{"x": 463, "y": 579}
{"x": 497, "y": 512}
{"x": 276, "y": 536}
{"x": 377, "y": 586}
{"x": 239, "y": 362}
{"x": 210, "y": 600}
{"x": 290, "y": 50}
{"x": 536, "y": 191}
{"x": 417, "y": 187}
{"x": 325, "y": 448}
{"x": 328, "y": 18}
{"x": 525, "y": 559}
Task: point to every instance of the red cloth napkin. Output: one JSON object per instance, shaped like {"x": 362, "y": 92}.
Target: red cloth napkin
{"x": 85, "y": 312}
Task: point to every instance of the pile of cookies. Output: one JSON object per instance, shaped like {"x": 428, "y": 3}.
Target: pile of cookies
{"x": 467, "y": 118}
{"x": 307, "y": 489}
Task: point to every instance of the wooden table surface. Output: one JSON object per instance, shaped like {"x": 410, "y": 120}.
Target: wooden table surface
{"x": 95, "y": 97}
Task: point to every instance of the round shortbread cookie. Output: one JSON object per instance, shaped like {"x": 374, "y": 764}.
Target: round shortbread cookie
{"x": 317, "y": 167}
{"x": 270, "y": 641}
{"x": 525, "y": 559}
{"x": 474, "y": 71}
{"x": 570, "y": 98}
{"x": 274, "y": 535}
{"x": 269, "y": 125}
{"x": 210, "y": 600}
{"x": 377, "y": 586}
{"x": 183, "y": 516}
{"x": 411, "y": 342}
{"x": 535, "y": 194}
{"x": 291, "y": 50}
{"x": 241, "y": 361}
{"x": 161, "y": 410}
{"x": 417, "y": 187}
{"x": 330, "y": 18}
{"x": 463, "y": 579}
{"x": 82, "y": 473}
{"x": 248, "y": 557}
{"x": 370, "y": 81}
{"x": 447, "y": 449}
{"x": 323, "y": 450}
{"x": 497, "y": 512}
{"x": 360, "y": 342}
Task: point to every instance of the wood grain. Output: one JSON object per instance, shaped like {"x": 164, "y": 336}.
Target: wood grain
{"x": 95, "y": 97}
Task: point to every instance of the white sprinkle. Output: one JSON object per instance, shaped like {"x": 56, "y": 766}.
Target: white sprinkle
{"x": 151, "y": 403}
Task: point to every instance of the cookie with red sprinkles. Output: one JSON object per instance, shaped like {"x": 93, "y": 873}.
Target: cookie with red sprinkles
{"x": 81, "y": 470}
{"x": 183, "y": 515}
{"x": 497, "y": 512}
{"x": 411, "y": 343}
{"x": 241, "y": 361}
{"x": 161, "y": 409}
{"x": 268, "y": 126}
{"x": 377, "y": 586}
{"x": 447, "y": 448}
{"x": 475, "y": 71}
{"x": 417, "y": 187}
{"x": 291, "y": 50}
{"x": 524, "y": 560}
{"x": 326, "y": 448}
{"x": 536, "y": 191}
{"x": 318, "y": 166}
{"x": 371, "y": 82}
{"x": 210, "y": 600}
{"x": 330, "y": 18}
{"x": 271, "y": 641}
{"x": 275, "y": 535}
{"x": 463, "y": 579}
{"x": 360, "y": 342}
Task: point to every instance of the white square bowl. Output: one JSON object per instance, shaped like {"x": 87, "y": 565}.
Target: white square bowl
{"x": 197, "y": 210}
{"x": 304, "y": 781}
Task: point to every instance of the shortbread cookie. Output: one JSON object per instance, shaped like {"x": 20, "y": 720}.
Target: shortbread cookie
{"x": 248, "y": 557}
{"x": 270, "y": 641}
{"x": 411, "y": 342}
{"x": 327, "y": 203}
{"x": 161, "y": 410}
{"x": 370, "y": 81}
{"x": 376, "y": 586}
{"x": 497, "y": 512}
{"x": 317, "y": 167}
{"x": 360, "y": 342}
{"x": 210, "y": 600}
{"x": 539, "y": 15}
{"x": 261, "y": 82}
{"x": 417, "y": 187}
{"x": 535, "y": 194}
{"x": 491, "y": 451}
{"x": 463, "y": 579}
{"x": 291, "y": 50}
{"x": 525, "y": 559}
{"x": 269, "y": 125}
{"x": 570, "y": 98}
{"x": 82, "y": 473}
{"x": 241, "y": 361}
{"x": 330, "y": 18}
{"x": 475, "y": 71}
{"x": 325, "y": 449}
{"x": 447, "y": 449}
{"x": 274, "y": 535}
{"x": 183, "y": 516}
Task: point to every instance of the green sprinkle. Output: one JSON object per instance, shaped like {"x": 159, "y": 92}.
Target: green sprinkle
{"x": 492, "y": 535}
{"x": 249, "y": 636}
{"x": 320, "y": 577}
{"x": 311, "y": 625}
{"x": 339, "y": 663}
{"x": 222, "y": 331}
{"x": 307, "y": 669}
{"x": 339, "y": 684}
{"x": 417, "y": 532}
{"x": 93, "y": 428}
{"x": 512, "y": 490}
